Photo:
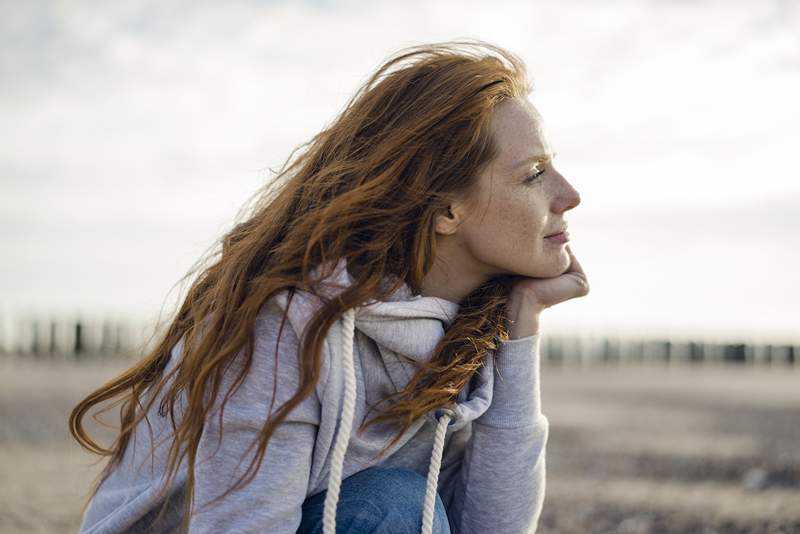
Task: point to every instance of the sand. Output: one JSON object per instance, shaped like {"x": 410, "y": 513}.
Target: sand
{"x": 632, "y": 449}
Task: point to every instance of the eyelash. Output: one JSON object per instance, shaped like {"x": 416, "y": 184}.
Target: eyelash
{"x": 532, "y": 177}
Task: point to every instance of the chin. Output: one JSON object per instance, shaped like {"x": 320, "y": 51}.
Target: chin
{"x": 549, "y": 269}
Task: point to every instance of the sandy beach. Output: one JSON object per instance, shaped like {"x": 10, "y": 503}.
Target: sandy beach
{"x": 632, "y": 449}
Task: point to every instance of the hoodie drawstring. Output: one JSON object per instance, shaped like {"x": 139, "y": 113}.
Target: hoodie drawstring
{"x": 433, "y": 471}
{"x": 346, "y": 427}
{"x": 343, "y": 434}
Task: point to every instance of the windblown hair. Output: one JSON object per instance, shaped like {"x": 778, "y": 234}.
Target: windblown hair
{"x": 413, "y": 138}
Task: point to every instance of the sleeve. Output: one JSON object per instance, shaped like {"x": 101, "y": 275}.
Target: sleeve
{"x": 272, "y": 501}
{"x": 501, "y": 485}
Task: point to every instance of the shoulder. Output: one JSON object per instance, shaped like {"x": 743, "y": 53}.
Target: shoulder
{"x": 279, "y": 327}
{"x": 298, "y": 307}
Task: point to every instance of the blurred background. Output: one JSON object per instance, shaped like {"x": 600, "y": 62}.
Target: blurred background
{"x": 133, "y": 132}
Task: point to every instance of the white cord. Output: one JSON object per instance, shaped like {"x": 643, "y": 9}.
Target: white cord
{"x": 433, "y": 472}
{"x": 343, "y": 434}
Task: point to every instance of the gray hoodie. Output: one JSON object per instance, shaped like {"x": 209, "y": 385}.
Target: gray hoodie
{"x": 486, "y": 457}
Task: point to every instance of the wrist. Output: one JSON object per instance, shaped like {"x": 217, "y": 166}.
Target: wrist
{"x": 524, "y": 321}
{"x": 523, "y": 311}
{"x": 524, "y": 330}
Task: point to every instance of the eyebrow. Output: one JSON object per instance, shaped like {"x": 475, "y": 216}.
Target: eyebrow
{"x": 542, "y": 158}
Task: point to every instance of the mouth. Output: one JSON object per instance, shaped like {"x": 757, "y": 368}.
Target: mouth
{"x": 561, "y": 237}
{"x": 560, "y": 232}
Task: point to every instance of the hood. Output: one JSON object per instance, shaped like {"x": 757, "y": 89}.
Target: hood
{"x": 412, "y": 325}
{"x": 408, "y": 325}
{"x": 391, "y": 321}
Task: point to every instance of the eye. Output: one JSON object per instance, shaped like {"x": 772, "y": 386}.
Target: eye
{"x": 534, "y": 176}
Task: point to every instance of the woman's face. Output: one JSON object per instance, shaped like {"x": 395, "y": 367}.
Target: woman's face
{"x": 502, "y": 229}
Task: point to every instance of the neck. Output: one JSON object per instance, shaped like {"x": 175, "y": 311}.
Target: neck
{"x": 452, "y": 278}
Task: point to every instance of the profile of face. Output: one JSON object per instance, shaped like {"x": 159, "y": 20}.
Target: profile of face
{"x": 520, "y": 199}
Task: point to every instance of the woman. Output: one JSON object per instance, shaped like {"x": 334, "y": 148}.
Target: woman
{"x": 400, "y": 264}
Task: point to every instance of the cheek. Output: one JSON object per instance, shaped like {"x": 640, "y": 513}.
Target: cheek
{"x": 512, "y": 224}
{"x": 525, "y": 219}
{"x": 519, "y": 215}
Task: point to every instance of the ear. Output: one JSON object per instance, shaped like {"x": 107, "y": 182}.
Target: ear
{"x": 447, "y": 223}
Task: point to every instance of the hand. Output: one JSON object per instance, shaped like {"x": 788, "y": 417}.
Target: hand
{"x": 532, "y": 295}
{"x": 548, "y": 292}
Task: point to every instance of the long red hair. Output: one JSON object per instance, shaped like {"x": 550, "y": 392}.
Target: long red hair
{"x": 366, "y": 188}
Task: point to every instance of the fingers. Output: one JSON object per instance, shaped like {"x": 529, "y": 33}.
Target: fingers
{"x": 577, "y": 270}
{"x": 575, "y": 265}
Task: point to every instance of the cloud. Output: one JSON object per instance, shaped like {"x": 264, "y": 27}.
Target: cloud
{"x": 133, "y": 131}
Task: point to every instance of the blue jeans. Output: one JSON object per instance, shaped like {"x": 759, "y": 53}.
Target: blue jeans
{"x": 377, "y": 500}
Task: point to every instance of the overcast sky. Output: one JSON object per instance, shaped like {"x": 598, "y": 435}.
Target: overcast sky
{"x": 132, "y": 132}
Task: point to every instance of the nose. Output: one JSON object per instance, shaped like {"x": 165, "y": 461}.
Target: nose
{"x": 566, "y": 198}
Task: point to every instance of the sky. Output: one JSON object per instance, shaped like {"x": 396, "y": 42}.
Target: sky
{"x": 133, "y": 133}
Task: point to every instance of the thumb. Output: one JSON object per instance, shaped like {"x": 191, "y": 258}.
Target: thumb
{"x": 576, "y": 271}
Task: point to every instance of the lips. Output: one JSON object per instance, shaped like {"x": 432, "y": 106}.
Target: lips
{"x": 561, "y": 238}
{"x": 563, "y": 230}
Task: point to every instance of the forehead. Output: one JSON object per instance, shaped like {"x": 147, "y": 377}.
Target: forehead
{"x": 519, "y": 132}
